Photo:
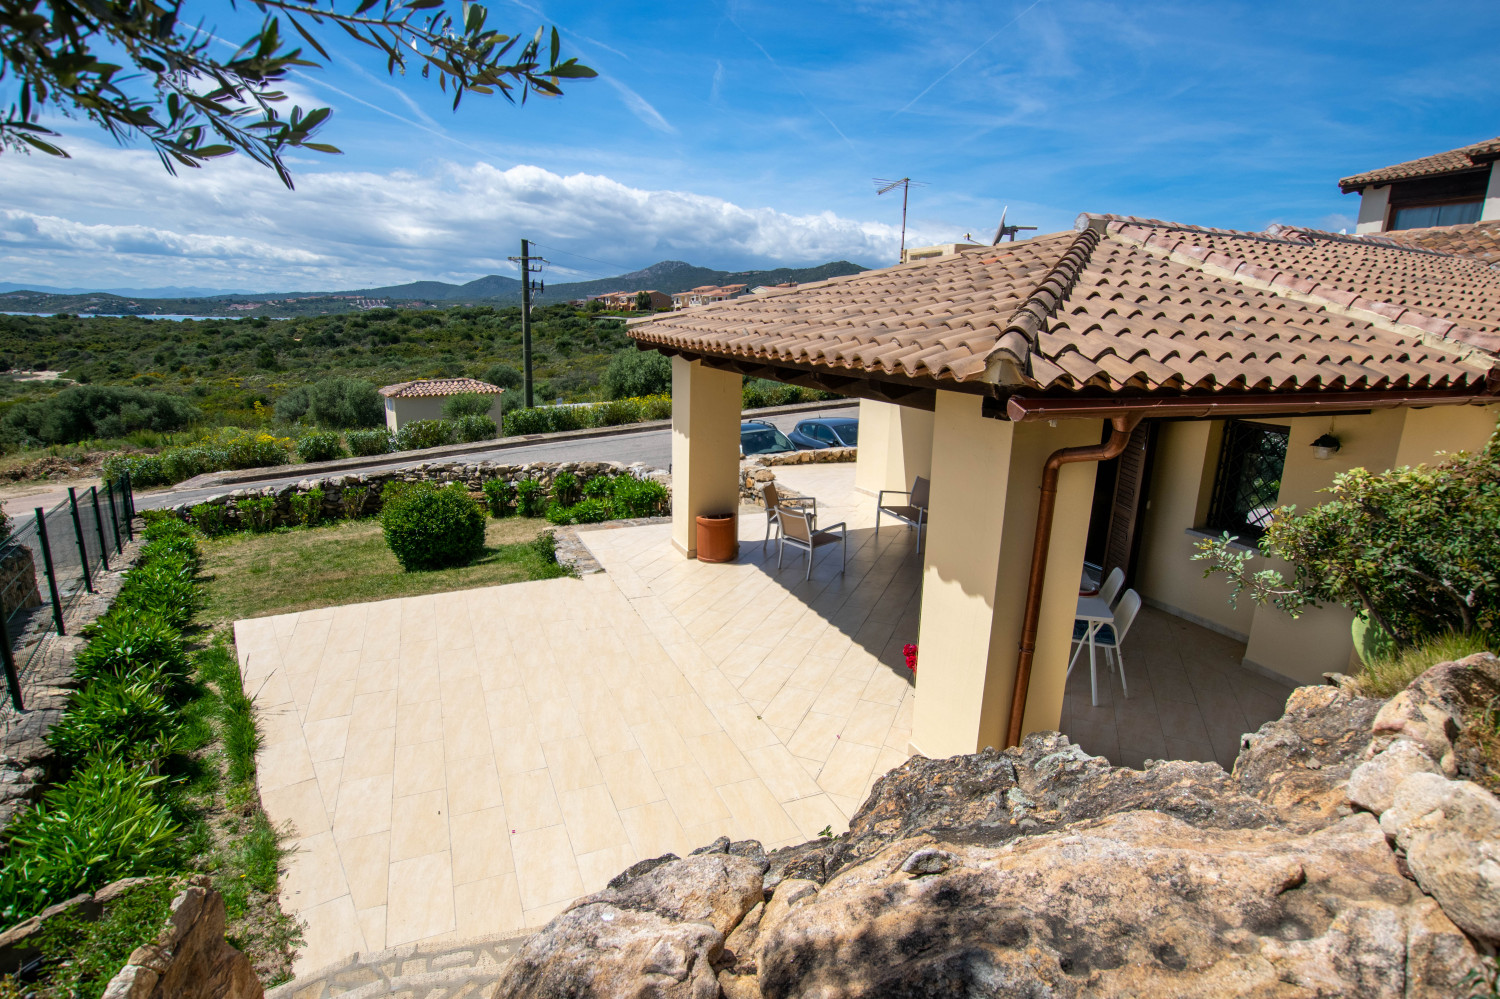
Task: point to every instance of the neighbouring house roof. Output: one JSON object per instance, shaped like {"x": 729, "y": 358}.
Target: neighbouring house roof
{"x": 1128, "y": 306}
{"x": 1471, "y": 239}
{"x": 424, "y": 388}
{"x": 1453, "y": 161}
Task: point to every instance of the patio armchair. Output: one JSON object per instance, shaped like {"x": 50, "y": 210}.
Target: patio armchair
{"x": 797, "y": 531}
{"x": 775, "y": 502}
{"x": 1110, "y": 636}
{"x": 912, "y": 513}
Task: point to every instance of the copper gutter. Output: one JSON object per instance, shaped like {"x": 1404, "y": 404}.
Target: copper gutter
{"x": 1119, "y": 436}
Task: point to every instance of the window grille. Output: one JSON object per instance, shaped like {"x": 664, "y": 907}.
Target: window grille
{"x": 1248, "y": 479}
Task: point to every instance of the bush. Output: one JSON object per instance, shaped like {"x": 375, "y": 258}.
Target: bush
{"x": 209, "y": 518}
{"x": 307, "y": 507}
{"x": 428, "y": 528}
{"x": 565, "y": 488}
{"x": 498, "y": 496}
{"x": 759, "y": 392}
{"x": 519, "y": 422}
{"x": 467, "y": 404}
{"x": 102, "y": 825}
{"x": 568, "y": 417}
{"x": 656, "y": 407}
{"x": 116, "y": 719}
{"x": 617, "y": 413}
{"x": 599, "y": 487}
{"x": 633, "y": 372}
{"x": 85, "y": 412}
{"x": 246, "y": 449}
{"x": 589, "y": 511}
{"x": 344, "y": 403}
{"x": 471, "y": 428}
{"x": 130, "y": 645}
{"x": 166, "y": 589}
{"x": 531, "y": 498}
{"x": 257, "y": 512}
{"x": 634, "y": 497}
{"x": 368, "y": 442}
{"x": 504, "y": 376}
{"x": 419, "y": 434}
{"x": 321, "y": 446}
{"x": 544, "y": 547}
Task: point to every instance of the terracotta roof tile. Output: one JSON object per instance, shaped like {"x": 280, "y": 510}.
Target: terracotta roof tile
{"x": 1142, "y": 307}
{"x": 429, "y": 387}
{"x": 1454, "y": 160}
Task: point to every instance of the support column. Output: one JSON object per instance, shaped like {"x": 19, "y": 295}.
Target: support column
{"x": 705, "y": 448}
{"x": 895, "y": 446}
{"x": 986, "y": 481}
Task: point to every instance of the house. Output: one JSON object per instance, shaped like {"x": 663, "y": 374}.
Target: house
{"x": 423, "y": 399}
{"x": 628, "y": 301}
{"x": 706, "y": 294}
{"x": 941, "y": 250}
{"x": 1459, "y": 187}
{"x": 1209, "y": 361}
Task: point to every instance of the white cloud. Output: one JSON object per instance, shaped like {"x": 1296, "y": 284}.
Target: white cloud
{"x": 113, "y": 217}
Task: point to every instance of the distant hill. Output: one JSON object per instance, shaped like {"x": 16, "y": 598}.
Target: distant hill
{"x": 668, "y": 276}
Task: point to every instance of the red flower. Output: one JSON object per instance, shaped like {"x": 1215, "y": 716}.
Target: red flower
{"x": 910, "y": 651}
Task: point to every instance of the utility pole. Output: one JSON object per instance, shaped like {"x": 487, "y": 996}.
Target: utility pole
{"x": 529, "y": 265}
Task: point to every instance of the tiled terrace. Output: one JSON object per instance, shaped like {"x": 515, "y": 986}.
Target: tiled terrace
{"x": 468, "y": 763}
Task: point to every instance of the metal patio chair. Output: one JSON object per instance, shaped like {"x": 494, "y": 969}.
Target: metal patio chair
{"x": 912, "y": 513}
{"x": 775, "y": 502}
{"x": 797, "y": 530}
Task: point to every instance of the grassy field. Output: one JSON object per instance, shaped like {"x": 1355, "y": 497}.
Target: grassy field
{"x": 255, "y": 575}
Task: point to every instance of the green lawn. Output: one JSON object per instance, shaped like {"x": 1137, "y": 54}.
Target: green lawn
{"x": 254, "y": 575}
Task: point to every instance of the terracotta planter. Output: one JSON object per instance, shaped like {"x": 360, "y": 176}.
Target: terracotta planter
{"x": 718, "y": 540}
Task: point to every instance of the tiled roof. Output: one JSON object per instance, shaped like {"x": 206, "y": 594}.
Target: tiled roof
{"x": 429, "y": 387}
{"x": 1452, "y": 161}
{"x": 1139, "y": 307}
{"x": 1471, "y": 239}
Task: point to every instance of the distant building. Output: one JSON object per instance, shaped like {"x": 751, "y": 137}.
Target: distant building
{"x": 941, "y": 250}
{"x": 423, "y": 399}
{"x": 626, "y": 301}
{"x": 707, "y": 293}
{"x": 1459, "y": 187}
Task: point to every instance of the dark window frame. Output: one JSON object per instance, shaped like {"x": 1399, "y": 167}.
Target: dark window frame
{"x": 1246, "y": 456}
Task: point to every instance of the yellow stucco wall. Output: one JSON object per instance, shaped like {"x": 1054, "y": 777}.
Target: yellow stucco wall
{"x": 705, "y": 448}
{"x": 1444, "y": 428}
{"x": 895, "y": 446}
{"x": 986, "y": 475}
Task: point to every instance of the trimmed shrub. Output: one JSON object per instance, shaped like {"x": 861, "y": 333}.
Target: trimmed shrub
{"x": 565, "y": 488}
{"x": 617, "y": 413}
{"x": 429, "y": 528}
{"x": 367, "y": 442}
{"x": 244, "y": 449}
{"x": 321, "y": 445}
{"x": 467, "y": 404}
{"x": 473, "y": 427}
{"x": 419, "y": 434}
{"x": 105, "y": 823}
{"x": 498, "y": 496}
{"x": 531, "y": 498}
{"x": 519, "y": 422}
{"x": 568, "y": 417}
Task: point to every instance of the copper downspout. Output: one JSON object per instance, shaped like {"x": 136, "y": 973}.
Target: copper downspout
{"x": 1121, "y": 427}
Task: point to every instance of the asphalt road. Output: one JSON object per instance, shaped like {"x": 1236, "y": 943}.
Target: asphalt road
{"x": 653, "y": 447}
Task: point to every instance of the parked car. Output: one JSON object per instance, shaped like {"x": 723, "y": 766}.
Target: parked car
{"x": 762, "y": 438}
{"x": 826, "y": 431}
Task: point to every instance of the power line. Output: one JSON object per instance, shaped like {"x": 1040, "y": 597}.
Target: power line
{"x": 606, "y": 263}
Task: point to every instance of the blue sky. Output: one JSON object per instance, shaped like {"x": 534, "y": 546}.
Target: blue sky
{"x": 747, "y": 134}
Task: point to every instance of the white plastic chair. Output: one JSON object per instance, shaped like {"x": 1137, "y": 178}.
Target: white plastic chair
{"x": 797, "y": 531}
{"x": 1109, "y": 593}
{"x": 1110, "y": 636}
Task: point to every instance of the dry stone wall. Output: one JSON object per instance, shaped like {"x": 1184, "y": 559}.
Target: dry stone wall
{"x": 358, "y": 495}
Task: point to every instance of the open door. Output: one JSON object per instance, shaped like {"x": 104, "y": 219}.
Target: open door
{"x": 1120, "y": 488}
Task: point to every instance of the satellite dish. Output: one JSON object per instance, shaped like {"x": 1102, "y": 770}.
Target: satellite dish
{"x": 1000, "y": 232}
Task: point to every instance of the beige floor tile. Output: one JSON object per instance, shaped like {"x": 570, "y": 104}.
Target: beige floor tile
{"x": 419, "y": 768}
{"x": 789, "y": 707}
{"x": 816, "y": 813}
{"x": 473, "y": 784}
{"x": 545, "y": 866}
{"x": 466, "y": 731}
{"x": 330, "y": 700}
{"x": 838, "y": 698}
{"x": 661, "y": 744}
{"x": 692, "y": 795}
{"x": 300, "y": 804}
{"x": 488, "y": 908}
{"x": 367, "y": 867}
{"x": 373, "y": 711}
{"x": 719, "y": 757}
{"x": 572, "y": 764}
{"x": 480, "y": 845}
{"x": 326, "y": 738}
{"x": 747, "y": 730}
{"x": 517, "y": 750}
{"x": 419, "y": 825}
{"x": 653, "y": 829}
{"x": 364, "y": 807}
{"x": 539, "y": 916}
{"x": 597, "y": 868}
{"x": 314, "y": 874}
{"x": 629, "y": 779}
{"x": 556, "y": 718}
{"x": 418, "y": 722}
{"x": 847, "y": 805}
{"x": 372, "y": 926}
{"x": 869, "y": 723}
{"x": 848, "y": 769}
{"x": 420, "y": 902}
{"x": 888, "y": 686}
{"x": 784, "y": 775}
{"x": 689, "y": 715}
{"x": 530, "y": 801}
{"x": 369, "y": 754}
{"x": 812, "y": 672}
{"x": 590, "y": 816}
{"x": 375, "y": 676}
{"x": 329, "y": 773}
{"x": 332, "y": 934}
{"x": 816, "y": 736}
{"x": 756, "y": 812}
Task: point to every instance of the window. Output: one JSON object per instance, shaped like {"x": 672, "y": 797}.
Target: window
{"x": 1249, "y": 478}
{"x": 1424, "y": 216}
{"x": 821, "y": 432}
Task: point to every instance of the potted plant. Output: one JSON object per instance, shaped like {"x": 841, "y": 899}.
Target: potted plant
{"x": 718, "y": 537}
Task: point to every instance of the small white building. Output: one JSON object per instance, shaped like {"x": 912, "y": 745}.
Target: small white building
{"x": 423, "y": 399}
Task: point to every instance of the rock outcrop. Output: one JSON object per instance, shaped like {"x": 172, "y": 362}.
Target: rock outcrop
{"x": 189, "y": 959}
{"x": 1340, "y": 858}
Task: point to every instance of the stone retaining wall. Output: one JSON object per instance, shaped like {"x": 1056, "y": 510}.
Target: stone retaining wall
{"x": 358, "y": 495}
{"x": 815, "y": 456}
{"x": 18, "y": 581}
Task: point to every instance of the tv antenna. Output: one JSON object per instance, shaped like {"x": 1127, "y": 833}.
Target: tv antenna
{"x": 1009, "y": 231}
{"x": 905, "y": 183}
